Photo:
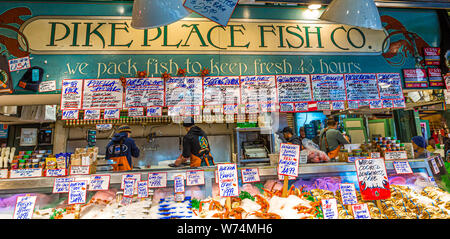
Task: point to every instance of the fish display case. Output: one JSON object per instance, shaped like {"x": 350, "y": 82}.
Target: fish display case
{"x": 317, "y": 181}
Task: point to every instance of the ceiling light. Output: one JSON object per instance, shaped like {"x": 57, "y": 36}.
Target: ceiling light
{"x": 314, "y": 6}
{"x": 359, "y": 13}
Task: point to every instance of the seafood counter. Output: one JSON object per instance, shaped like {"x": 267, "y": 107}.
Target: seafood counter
{"x": 405, "y": 203}
{"x": 414, "y": 196}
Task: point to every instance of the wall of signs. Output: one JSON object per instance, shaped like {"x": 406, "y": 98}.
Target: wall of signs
{"x": 284, "y": 93}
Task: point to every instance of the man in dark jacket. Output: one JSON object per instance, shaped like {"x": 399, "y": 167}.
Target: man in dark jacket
{"x": 195, "y": 147}
{"x": 121, "y": 149}
{"x": 289, "y": 137}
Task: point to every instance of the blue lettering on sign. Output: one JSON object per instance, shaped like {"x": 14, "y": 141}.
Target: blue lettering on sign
{"x": 77, "y": 192}
{"x": 292, "y": 79}
{"x": 111, "y": 112}
{"x": 73, "y": 90}
{"x": 24, "y": 208}
{"x": 210, "y": 81}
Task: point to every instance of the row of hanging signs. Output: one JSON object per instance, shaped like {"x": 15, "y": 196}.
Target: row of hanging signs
{"x": 269, "y": 93}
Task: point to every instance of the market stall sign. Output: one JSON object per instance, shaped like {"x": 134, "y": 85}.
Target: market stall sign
{"x": 135, "y": 176}
{"x": 196, "y": 177}
{"x": 294, "y": 88}
{"x": 71, "y": 94}
{"x": 111, "y": 114}
{"x": 328, "y": 87}
{"x": 415, "y": 78}
{"x": 362, "y": 86}
{"x": 221, "y": 90}
{"x": 55, "y": 172}
{"x": 402, "y": 167}
{"x": 26, "y": 173}
{"x": 393, "y": 155}
{"x": 178, "y": 184}
{"x": 109, "y": 35}
{"x": 348, "y": 193}
{"x": 390, "y": 86}
{"x": 91, "y": 114}
{"x": 432, "y": 56}
{"x": 79, "y": 169}
{"x": 435, "y": 77}
{"x": 102, "y": 94}
{"x": 154, "y": 111}
{"x": 128, "y": 187}
{"x": 361, "y": 211}
{"x": 136, "y": 112}
{"x": 61, "y": 185}
{"x": 184, "y": 91}
{"x": 99, "y": 183}
{"x": 144, "y": 92}
{"x": 142, "y": 189}
{"x": 77, "y": 192}
{"x": 228, "y": 180}
{"x": 372, "y": 178}
{"x": 250, "y": 175}
{"x": 289, "y": 160}
{"x": 157, "y": 180}
{"x": 24, "y": 207}
{"x": 329, "y": 208}
{"x": 258, "y": 89}
{"x": 70, "y": 114}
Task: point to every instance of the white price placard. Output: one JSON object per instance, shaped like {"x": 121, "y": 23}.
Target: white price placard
{"x": 61, "y": 185}
{"x": 289, "y": 158}
{"x": 47, "y": 86}
{"x": 329, "y": 208}
{"x": 178, "y": 184}
{"x": 196, "y": 177}
{"x": 24, "y": 207}
{"x": 228, "y": 180}
{"x": 3, "y": 173}
{"x": 361, "y": 211}
{"x": 55, "y": 172}
{"x": 129, "y": 185}
{"x": 157, "y": 180}
{"x": 142, "y": 188}
{"x": 79, "y": 169}
{"x": 250, "y": 175}
{"x": 99, "y": 183}
{"x": 348, "y": 193}
{"x": 26, "y": 173}
{"x": 77, "y": 192}
{"x": 395, "y": 155}
{"x": 402, "y": 167}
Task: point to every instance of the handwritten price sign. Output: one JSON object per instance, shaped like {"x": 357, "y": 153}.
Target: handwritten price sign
{"x": 70, "y": 114}
{"x": 348, "y": 193}
{"x": 24, "y": 207}
{"x": 228, "y": 180}
{"x": 26, "y": 173}
{"x": 129, "y": 184}
{"x": 402, "y": 167}
{"x": 361, "y": 211}
{"x": 372, "y": 178}
{"x": 55, "y": 172}
{"x": 219, "y": 11}
{"x": 289, "y": 158}
{"x": 195, "y": 178}
{"x": 157, "y": 180}
{"x": 99, "y": 183}
{"x": 111, "y": 114}
{"x": 91, "y": 114}
{"x": 61, "y": 185}
{"x": 79, "y": 169}
{"x": 329, "y": 208}
{"x": 250, "y": 175}
{"x": 178, "y": 184}
{"x": 3, "y": 173}
{"x": 77, "y": 192}
{"x": 142, "y": 188}
{"x": 47, "y": 86}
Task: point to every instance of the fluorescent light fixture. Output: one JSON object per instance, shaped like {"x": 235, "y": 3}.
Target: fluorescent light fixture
{"x": 314, "y": 6}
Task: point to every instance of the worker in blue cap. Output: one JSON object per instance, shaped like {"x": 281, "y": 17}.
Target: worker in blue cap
{"x": 121, "y": 149}
{"x": 419, "y": 145}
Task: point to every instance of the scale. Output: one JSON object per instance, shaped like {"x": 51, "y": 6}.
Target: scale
{"x": 254, "y": 145}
